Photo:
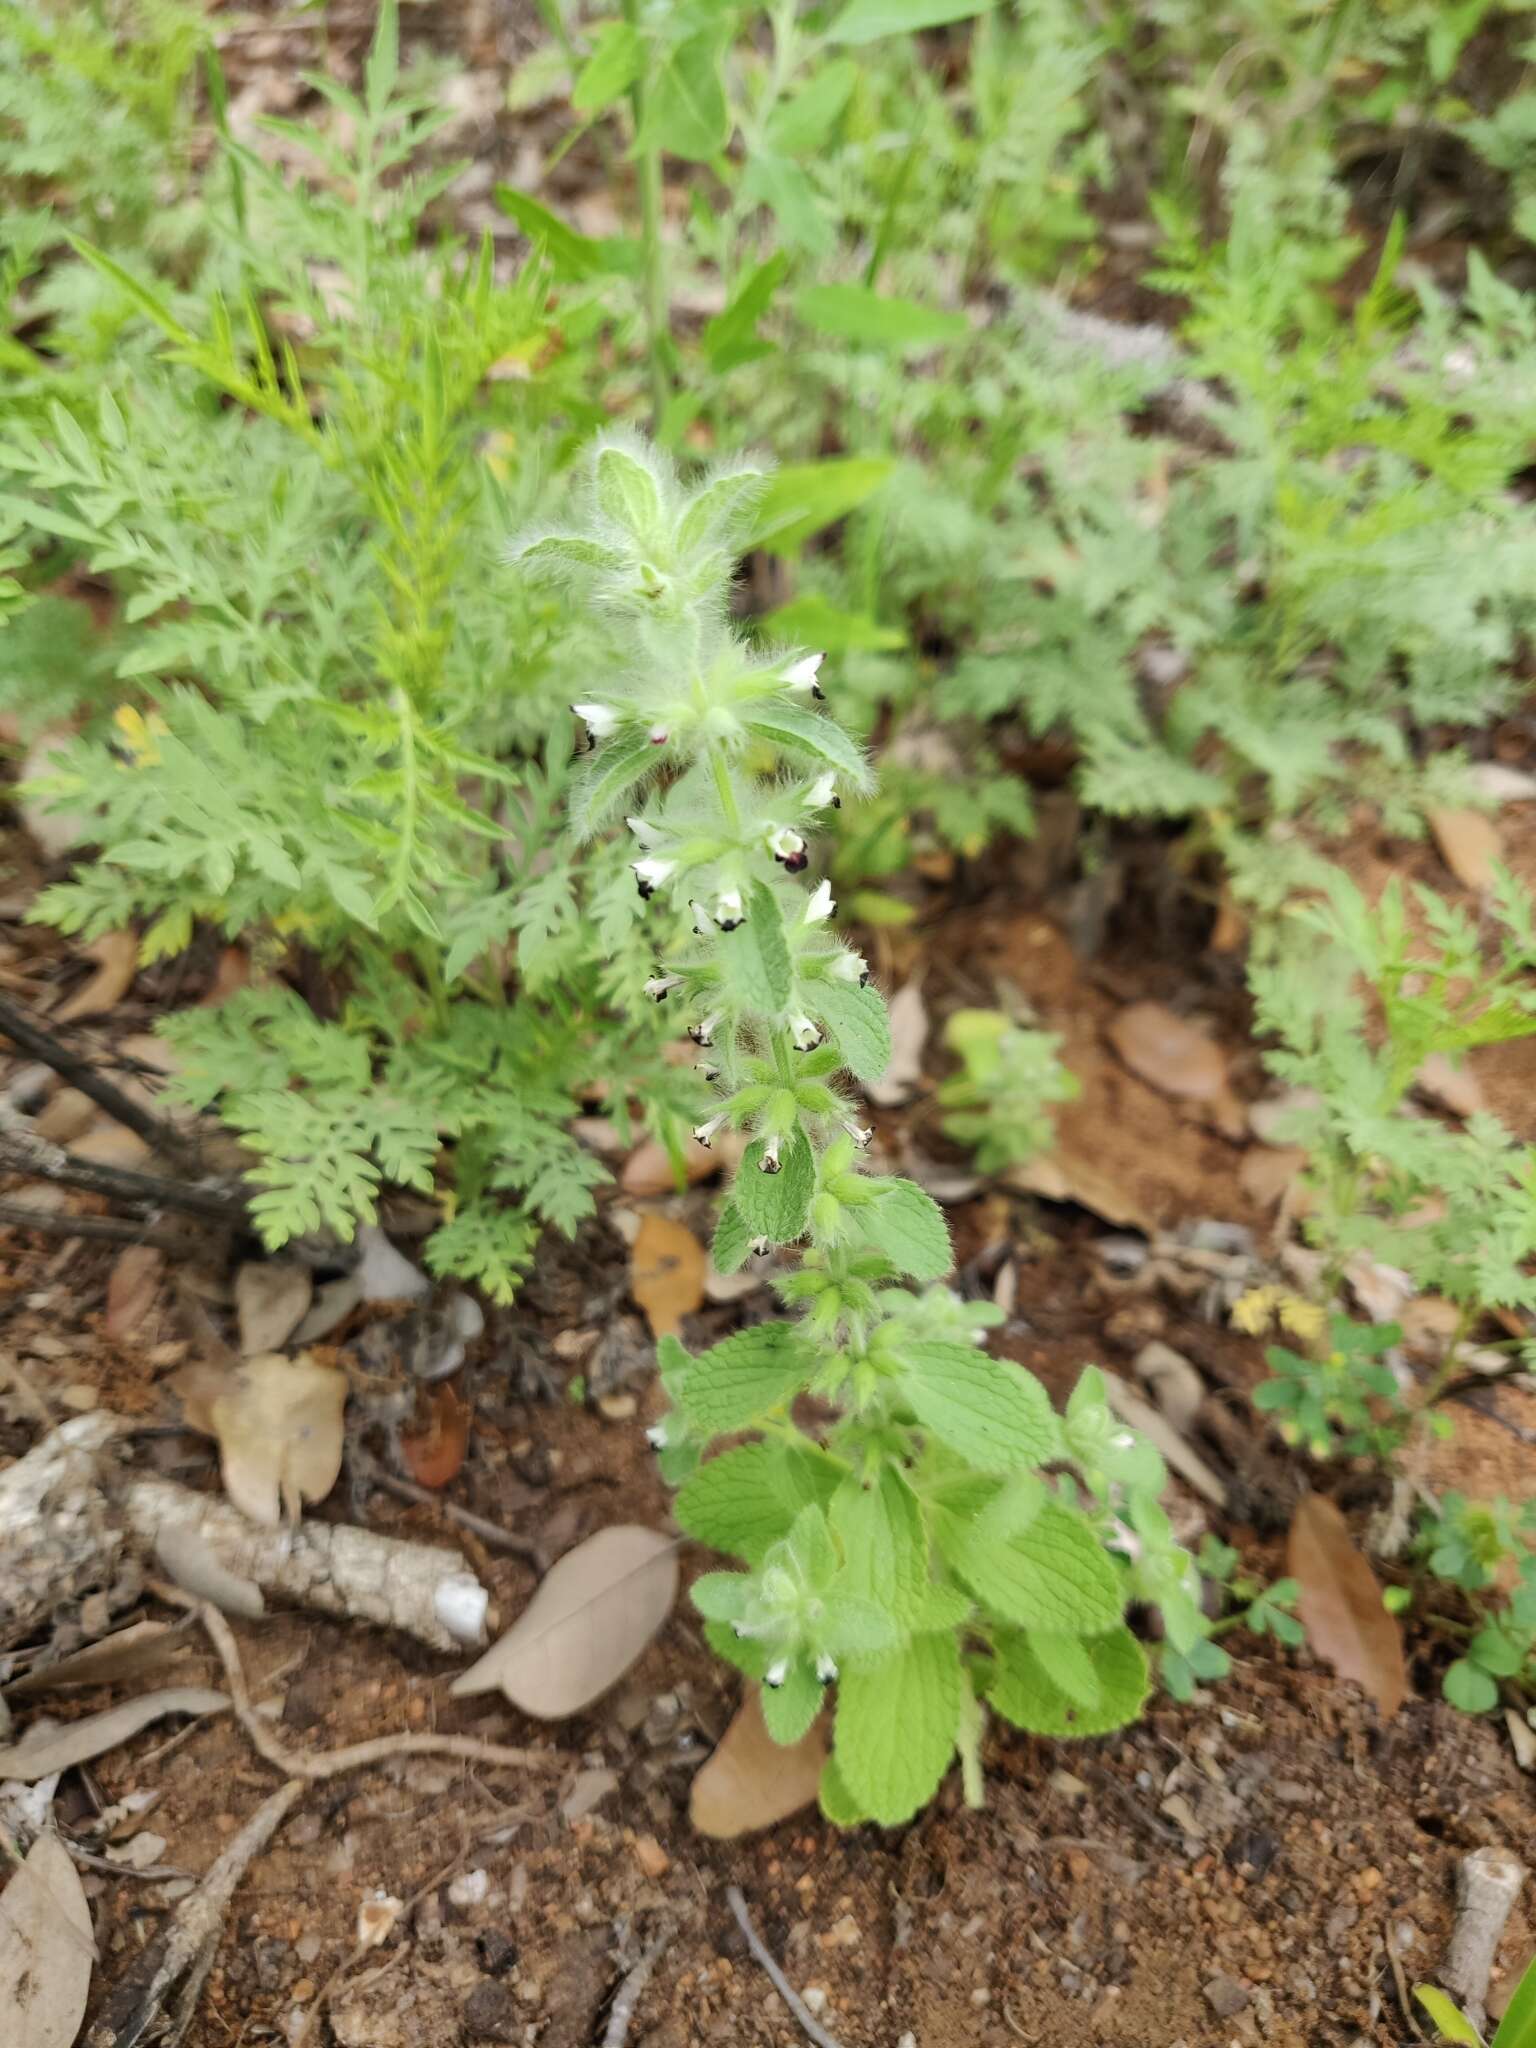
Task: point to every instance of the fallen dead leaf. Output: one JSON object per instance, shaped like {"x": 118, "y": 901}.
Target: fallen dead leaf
{"x": 1469, "y": 844}
{"x": 1382, "y": 1291}
{"x": 667, "y": 1269}
{"x": 1059, "y": 1177}
{"x": 435, "y": 1452}
{"x": 117, "y": 959}
{"x": 65, "y": 1116}
{"x": 903, "y": 1074}
{"x": 648, "y": 1169}
{"x": 59, "y": 1749}
{"x": 128, "y": 1653}
{"x": 47, "y": 1948}
{"x": 1340, "y": 1605}
{"x": 751, "y": 1781}
{"x": 232, "y": 974}
{"x": 594, "y": 1613}
{"x": 279, "y": 1429}
{"x": 131, "y": 1289}
{"x": 1175, "y": 1056}
{"x": 272, "y": 1297}
{"x": 1268, "y": 1173}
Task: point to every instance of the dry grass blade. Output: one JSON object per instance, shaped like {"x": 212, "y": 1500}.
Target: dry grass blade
{"x": 41, "y": 1755}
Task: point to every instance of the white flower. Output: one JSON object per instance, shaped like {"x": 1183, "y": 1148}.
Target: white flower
{"x": 599, "y": 719}
{"x": 822, "y": 794}
{"x": 656, "y": 1436}
{"x": 861, "y": 1134}
{"x": 707, "y": 1068}
{"x": 761, "y": 1246}
{"x": 701, "y": 924}
{"x": 650, "y": 873}
{"x": 1122, "y": 1440}
{"x": 801, "y": 675}
{"x": 646, "y": 834}
{"x": 805, "y": 1033}
{"x": 826, "y": 1670}
{"x": 821, "y": 905}
{"x": 786, "y": 845}
{"x": 727, "y": 909}
{"x": 776, "y": 1673}
{"x": 659, "y": 735}
{"x": 850, "y": 967}
{"x": 705, "y": 1131}
{"x": 770, "y": 1161}
{"x": 660, "y": 986}
{"x": 703, "y": 1033}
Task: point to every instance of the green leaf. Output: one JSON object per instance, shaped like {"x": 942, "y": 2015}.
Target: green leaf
{"x": 776, "y": 1205}
{"x": 742, "y": 1502}
{"x": 741, "y": 1379}
{"x": 863, "y": 21}
{"x": 571, "y": 255}
{"x": 1023, "y": 1692}
{"x": 838, "y": 1804}
{"x": 627, "y": 491}
{"x": 1052, "y": 1576}
{"x": 1451, "y": 2024}
{"x": 854, "y": 313}
{"x": 812, "y": 620}
{"x": 857, "y": 1021}
{"x": 1517, "y": 2029}
{"x": 733, "y": 1241}
{"x": 618, "y": 56}
{"x": 777, "y": 182}
{"x": 790, "y": 1708}
{"x": 1067, "y": 1662}
{"x": 685, "y": 110}
{"x": 795, "y": 731}
{"x": 731, "y": 337}
{"x": 996, "y": 1415}
{"x": 895, "y": 1727}
{"x": 804, "y": 121}
{"x": 617, "y": 767}
{"x": 805, "y": 497}
{"x": 880, "y": 1529}
{"x": 1468, "y": 1686}
{"x": 909, "y": 1227}
{"x": 721, "y": 1596}
{"x": 757, "y": 969}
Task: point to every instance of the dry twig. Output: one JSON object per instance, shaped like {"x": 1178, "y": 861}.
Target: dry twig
{"x": 622, "y": 2012}
{"x": 383, "y": 1748}
{"x": 24, "y": 1153}
{"x": 490, "y": 1533}
{"x": 109, "y": 1229}
{"x": 774, "y": 1974}
{"x": 30, "y": 1036}
{"x": 1487, "y": 1884}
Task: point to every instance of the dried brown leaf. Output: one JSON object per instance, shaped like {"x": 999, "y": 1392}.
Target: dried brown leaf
{"x": 117, "y": 960}
{"x": 1340, "y": 1605}
{"x": 131, "y": 1289}
{"x": 47, "y": 1949}
{"x": 435, "y": 1452}
{"x": 1449, "y": 1086}
{"x": 272, "y": 1297}
{"x": 127, "y": 1653}
{"x": 752, "y": 1781}
{"x": 1175, "y": 1056}
{"x": 59, "y": 1749}
{"x": 648, "y": 1169}
{"x": 667, "y": 1270}
{"x": 278, "y": 1424}
{"x": 1469, "y": 844}
{"x": 593, "y": 1615}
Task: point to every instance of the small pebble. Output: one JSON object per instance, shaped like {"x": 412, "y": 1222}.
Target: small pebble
{"x": 814, "y": 1999}
{"x": 651, "y": 1857}
{"x": 497, "y": 1951}
{"x": 469, "y": 1888}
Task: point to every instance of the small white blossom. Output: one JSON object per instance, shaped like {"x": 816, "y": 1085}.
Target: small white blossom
{"x": 850, "y": 967}
{"x": 650, "y": 873}
{"x": 801, "y": 675}
{"x": 705, "y": 1131}
{"x": 761, "y": 1247}
{"x": 703, "y": 1033}
{"x": 786, "y": 845}
{"x": 648, "y": 835}
{"x": 659, "y": 735}
{"x": 826, "y": 1670}
{"x": 822, "y": 904}
{"x": 776, "y": 1673}
{"x": 822, "y": 794}
{"x": 727, "y": 909}
{"x": 599, "y": 719}
{"x": 660, "y": 986}
{"x": 805, "y": 1033}
{"x": 656, "y": 1436}
{"x": 861, "y": 1134}
{"x": 770, "y": 1161}
{"x": 1122, "y": 1440}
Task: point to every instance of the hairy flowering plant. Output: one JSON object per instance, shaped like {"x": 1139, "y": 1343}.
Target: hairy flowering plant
{"x": 948, "y": 1544}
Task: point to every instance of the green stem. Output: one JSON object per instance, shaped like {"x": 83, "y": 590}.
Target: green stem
{"x": 653, "y": 250}
{"x": 725, "y": 789}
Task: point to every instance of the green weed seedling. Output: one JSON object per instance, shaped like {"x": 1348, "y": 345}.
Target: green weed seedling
{"x": 999, "y": 1102}
{"x": 948, "y": 1545}
{"x": 1517, "y": 2029}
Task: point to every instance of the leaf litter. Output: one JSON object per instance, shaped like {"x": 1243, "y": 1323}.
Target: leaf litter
{"x": 278, "y": 1422}
{"x": 47, "y": 1948}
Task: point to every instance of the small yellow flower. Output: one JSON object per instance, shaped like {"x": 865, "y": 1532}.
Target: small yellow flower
{"x": 1253, "y": 1312}
{"x": 1304, "y": 1319}
{"x": 140, "y": 734}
